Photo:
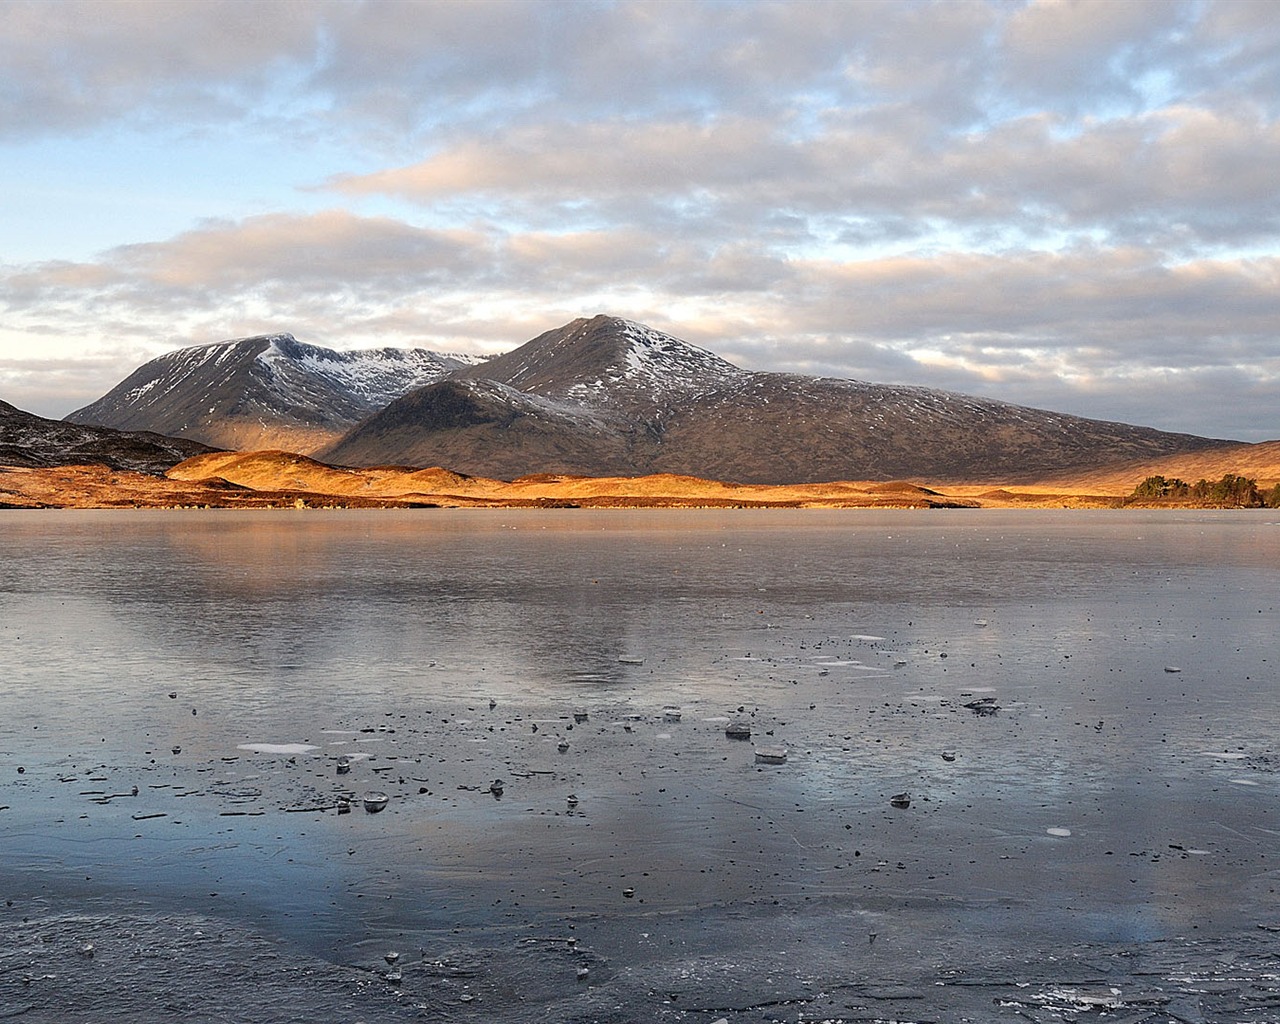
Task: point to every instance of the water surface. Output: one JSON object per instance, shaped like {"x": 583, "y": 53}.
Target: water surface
{"x": 1120, "y": 803}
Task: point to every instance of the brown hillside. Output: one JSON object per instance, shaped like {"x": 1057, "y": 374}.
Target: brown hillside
{"x": 1258, "y": 461}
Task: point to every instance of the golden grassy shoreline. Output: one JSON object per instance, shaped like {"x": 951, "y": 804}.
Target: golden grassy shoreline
{"x": 276, "y": 479}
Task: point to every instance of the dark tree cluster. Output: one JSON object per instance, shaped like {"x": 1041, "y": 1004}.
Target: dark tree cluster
{"x": 1232, "y": 491}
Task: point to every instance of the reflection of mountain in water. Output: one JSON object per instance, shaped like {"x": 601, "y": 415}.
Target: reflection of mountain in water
{"x": 407, "y": 607}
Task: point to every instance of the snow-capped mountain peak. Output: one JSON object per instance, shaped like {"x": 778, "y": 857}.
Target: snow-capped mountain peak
{"x": 269, "y": 390}
{"x": 660, "y": 360}
{"x": 608, "y": 359}
{"x": 378, "y": 376}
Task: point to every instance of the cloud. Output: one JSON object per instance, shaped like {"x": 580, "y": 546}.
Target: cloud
{"x": 1077, "y": 52}
{"x": 569, "y": 162}
{"x": 315, "y": 253}
{"x": 319, "y": 272}
{"x": 1123, "y": 294}
{"x": 52, "y": 386}
{"x": 76, "y": 64}
{"x": 385, "y": 69}
{"x": 1061, "y": 202}
{"x": 1002, "y": 124}
{"x": 409, "y": 73}
{"x": 1178, "y": 177}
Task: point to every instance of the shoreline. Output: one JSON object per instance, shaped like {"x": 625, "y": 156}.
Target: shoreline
{"x": 280, "y": 481}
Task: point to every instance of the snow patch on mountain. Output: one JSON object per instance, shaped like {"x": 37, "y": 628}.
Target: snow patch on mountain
{"x": 139, "y": 392}
{"x": 658, "y": 367}
{"x": 269, "y": 390}
{"x": 375, "y": 377}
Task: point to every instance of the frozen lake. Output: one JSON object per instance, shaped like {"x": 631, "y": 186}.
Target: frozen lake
{"x": 1082, "y": 708}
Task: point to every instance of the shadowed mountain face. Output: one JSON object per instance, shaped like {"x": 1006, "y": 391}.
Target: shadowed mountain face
{"x": 610, "y": 397}
{"x": 485, "y": 423}
{"x": 30, "y": 440}
{"x": 263, "y": 392}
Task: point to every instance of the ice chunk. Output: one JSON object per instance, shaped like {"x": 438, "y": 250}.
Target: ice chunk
{"x": 277, "y": 748}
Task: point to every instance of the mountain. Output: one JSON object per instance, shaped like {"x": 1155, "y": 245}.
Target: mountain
{"x": 590, "y": 398}
{"x": 33, "y": 441}
{"x": 269, "y": 391}
{"x": 606, "y": 396}
{"x": 610, "y": 362}
{"x": 485, "y": 423}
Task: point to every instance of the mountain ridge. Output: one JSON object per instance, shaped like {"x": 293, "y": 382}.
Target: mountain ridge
{"x": 588, "y": 357}
{"x": 33, "y": 441}
{"x": 606, "y": 396}
{"x": 268, "y": 390}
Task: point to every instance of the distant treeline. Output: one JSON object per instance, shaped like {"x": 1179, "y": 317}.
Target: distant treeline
{"x": 1231, "y": 491}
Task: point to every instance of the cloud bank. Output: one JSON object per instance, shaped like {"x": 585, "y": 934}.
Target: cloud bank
{"x": 1065, "y": 204}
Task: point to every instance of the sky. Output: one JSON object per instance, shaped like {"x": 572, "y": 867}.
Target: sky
{"x": 1068, "y": 204}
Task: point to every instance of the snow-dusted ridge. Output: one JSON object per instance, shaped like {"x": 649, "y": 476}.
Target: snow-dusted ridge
{"x": 659, "y": 366}
{"x": 599, "y": 396}
{"x": 269, "y": 390}
{"x": 607, "y": 360}
{"x": 377, "y": 375}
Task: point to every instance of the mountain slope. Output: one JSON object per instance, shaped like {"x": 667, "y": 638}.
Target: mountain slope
{"x": 487, "y": 423}
{"x": 610, "y": 397}
{"x": 33, "y": 441}
{"x": 262, "y": 392}
{"x": 1260, "y": 462}
{"x": 789, "y": 427}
